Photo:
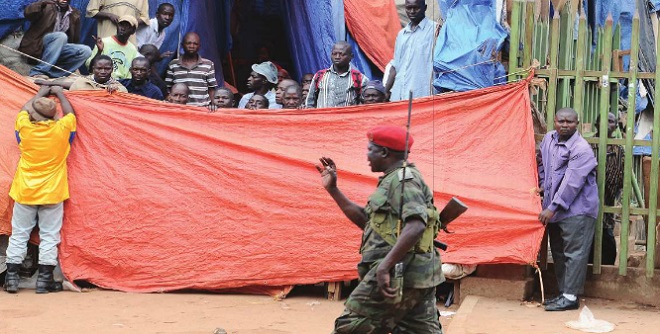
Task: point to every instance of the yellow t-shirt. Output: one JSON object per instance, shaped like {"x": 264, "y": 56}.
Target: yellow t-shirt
{"x": 41, "y": 176}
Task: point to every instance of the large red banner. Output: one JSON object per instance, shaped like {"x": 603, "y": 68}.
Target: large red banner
{"x": 167, "y": 197}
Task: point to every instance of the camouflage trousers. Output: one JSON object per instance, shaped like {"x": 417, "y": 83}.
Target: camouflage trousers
{"x": 368, "y": 312}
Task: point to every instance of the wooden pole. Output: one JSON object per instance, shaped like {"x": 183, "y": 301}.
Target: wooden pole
{"x": 628, "y": 157}
{"x": 578, "y": 95}
{"x": 602, "y": 140}
{"x": 653, "y": 196}
{"x": 552, "y": 80}
{"x": 515, "y": 38}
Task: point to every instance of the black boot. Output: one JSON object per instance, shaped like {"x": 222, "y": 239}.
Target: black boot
{"x": 45, "y": 281}
{"x": 12, "y": 279}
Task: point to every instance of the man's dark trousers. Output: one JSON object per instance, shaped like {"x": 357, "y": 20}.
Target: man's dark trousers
{"x": 570, "y": 243}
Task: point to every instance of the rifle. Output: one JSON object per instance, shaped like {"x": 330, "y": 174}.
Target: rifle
{"x": 451, "y": 211}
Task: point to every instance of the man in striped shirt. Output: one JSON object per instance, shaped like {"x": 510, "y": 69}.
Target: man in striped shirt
{"x": 338, "y": 86}
{"x": 194, "y": 71}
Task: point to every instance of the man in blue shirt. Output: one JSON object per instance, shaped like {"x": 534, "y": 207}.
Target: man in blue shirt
{"x": 139, "y": 84}
{"x": 567, "y": 176}
{"x": 412, "y": 66}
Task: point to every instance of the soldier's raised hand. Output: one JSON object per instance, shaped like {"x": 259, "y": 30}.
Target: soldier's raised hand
{"x": 328, "y": 173}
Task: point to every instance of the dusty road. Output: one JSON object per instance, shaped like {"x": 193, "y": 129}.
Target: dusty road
{"x": 99, "y": 311}
{"x": 304, "y": 312}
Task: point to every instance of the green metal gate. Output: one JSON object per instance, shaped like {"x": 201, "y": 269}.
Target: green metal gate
{"x": 578, "y": 75}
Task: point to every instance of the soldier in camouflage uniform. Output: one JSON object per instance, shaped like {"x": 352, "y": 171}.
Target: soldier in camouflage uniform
{"x": 373, "y": 307}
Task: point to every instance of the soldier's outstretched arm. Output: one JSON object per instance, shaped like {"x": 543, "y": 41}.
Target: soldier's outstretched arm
{"x": 353, "y": 211}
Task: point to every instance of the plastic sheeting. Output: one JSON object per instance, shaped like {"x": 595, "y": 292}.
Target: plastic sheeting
{"x": 310, "y": 33}
{"x": 167, "y": 197}
{"x": 200, "y": 16}
{"x": 470, "y": 36}
{"x": 366, "y": 19}
{"x": 312, "y": 26}
{"x": 11, "y": 15}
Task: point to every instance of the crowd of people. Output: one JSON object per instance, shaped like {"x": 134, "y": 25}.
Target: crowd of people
{"x": 131, "y": 40}
{"x": 124, "y": 59}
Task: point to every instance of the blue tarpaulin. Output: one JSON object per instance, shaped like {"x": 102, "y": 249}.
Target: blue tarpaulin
{"x": 471, "y": 35}
{"x": 654, "y": 6}
{"x": 312, "y": 27}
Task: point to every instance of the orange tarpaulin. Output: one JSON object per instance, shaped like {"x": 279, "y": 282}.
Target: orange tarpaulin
{"x": 166, "y": 197}
{"x": 366, "y": 19}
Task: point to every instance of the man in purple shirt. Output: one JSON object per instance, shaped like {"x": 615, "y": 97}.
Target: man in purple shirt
{"x": 567, "y": 175}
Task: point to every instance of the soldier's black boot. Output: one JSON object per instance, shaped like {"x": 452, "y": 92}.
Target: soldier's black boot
{"x": 45, "y": 281}
{"x": 12, "y": 278}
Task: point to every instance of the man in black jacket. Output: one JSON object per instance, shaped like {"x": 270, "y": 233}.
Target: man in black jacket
{"x": 52, "y": 37}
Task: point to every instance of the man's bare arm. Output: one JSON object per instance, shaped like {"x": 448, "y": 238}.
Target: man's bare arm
{"x": 62, "y": 82}
{"x": 67, "y": 108}
{"x": 389, "y": 81}
{"x": 43, "y": 92}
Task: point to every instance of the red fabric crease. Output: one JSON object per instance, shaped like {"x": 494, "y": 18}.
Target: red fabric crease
{"x": 167, "y": 197}
{"x": 366, "y": 19}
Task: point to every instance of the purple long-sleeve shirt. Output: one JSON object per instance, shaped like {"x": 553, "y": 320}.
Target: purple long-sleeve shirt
{"x": 567, "y": 174}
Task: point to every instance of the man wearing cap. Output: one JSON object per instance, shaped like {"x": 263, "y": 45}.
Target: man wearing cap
{"x": 40, "y": 185}
{"x": 337, "y": 86}
{"x": 373, "y": 92}
{"x": 261, "y": 81}
{"x": 412, "y": 66}
{"x": 108, "y": 12}
{"x": 194, "y": 71}
{"x": 377, "y": 304}
{"x": 53, "y": 37}
{"x": 118, "y": 48}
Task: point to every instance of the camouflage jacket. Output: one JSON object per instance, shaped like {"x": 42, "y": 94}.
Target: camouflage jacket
{"x": 422, "y": 269}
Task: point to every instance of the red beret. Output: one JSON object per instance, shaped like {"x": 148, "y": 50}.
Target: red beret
{"x": 392, "y": 137}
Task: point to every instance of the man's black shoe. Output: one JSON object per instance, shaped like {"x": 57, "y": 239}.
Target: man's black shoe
{"x": 552, "y": 300}
{"x": 563, "y": 304}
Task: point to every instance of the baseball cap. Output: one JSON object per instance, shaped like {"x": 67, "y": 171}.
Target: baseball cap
{"x": 130, "y": 19}
{"x": 268, "y": 70}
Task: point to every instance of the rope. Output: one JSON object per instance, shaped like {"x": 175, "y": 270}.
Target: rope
{"x": 515, "y": 73}
{"x": 55, "y": 66}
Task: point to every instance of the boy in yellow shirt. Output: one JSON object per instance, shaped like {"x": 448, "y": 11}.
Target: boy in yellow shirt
{"x": 40, "y": 185}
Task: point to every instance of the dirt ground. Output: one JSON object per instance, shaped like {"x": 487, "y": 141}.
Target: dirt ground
{"x": 99, "y": 311}
{"x": 480, "y": 315}
{"x": 303, "y": 312}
